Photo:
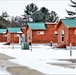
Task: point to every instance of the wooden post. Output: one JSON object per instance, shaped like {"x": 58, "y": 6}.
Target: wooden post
{"x": 12, "y": 45}
{"x": 70, "y": 49}
{"x": 31, "y": 45}
{"x": 51, "y": 43}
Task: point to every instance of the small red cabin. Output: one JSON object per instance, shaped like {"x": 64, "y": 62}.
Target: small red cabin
{"x": 67, "y": 31}
{"x": 3, "y": 35}
{"x": 14, "y": 35}
{"x": 41, "y": 32}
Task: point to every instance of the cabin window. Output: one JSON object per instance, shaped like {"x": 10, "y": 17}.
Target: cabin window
{"x": 40, "y": 32}
{"x": 74, "y": 31}
{"x": 5, "y": 35}
{"x": 62, "y": 35}
{"x": 29, "y": 35}
{"x": 16, "y": 35}
{"x": 55, "y": 33}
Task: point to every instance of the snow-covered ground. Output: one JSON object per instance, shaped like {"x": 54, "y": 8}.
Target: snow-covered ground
{"x": 40, "y": 58}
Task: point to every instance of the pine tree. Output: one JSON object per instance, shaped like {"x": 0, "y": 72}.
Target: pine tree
{"x": 32, "y": 14}
{"x": 72, "y": 14}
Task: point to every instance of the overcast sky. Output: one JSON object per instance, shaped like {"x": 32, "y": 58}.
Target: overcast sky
{"x": 16, "y": 7}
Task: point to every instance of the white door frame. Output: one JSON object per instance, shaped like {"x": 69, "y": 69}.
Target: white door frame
{"x": 8, "y": 37}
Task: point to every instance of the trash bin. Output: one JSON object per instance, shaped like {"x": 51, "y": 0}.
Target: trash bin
{"x": 25, "y": 45}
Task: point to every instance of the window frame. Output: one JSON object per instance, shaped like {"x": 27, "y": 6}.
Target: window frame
{"x": 75, "y": 32}
{"x": 5, "y": 35}
{"x": 62, "y": 35}
{"x": 16, "y": 35}
{"x": 55, "y": 33}
{"x": 29, "y": 35}
{"x": 40, "y": 32}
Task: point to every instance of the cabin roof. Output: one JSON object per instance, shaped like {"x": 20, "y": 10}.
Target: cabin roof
{"x": 2, "y": 30}
{"x": 14, "y": 30}
{"x": 37, "y": 26}
{"x": 69, "y": 22}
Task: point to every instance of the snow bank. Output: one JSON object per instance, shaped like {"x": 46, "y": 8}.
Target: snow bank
{"x": 40, "y": 58}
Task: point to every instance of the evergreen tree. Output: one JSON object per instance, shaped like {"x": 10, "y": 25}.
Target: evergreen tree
{"x": 41, "y": 15}
{"x": 3, "y": 16}
{"x": 29, "y": 12}
{"x": 32, "y": 14}
{"x": 3, "y": 20}
{"x": 2, "y": 25}
{"x": 72, "y": 14}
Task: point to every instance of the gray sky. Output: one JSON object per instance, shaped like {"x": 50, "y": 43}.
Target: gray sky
{"x": 16, "y": 7}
